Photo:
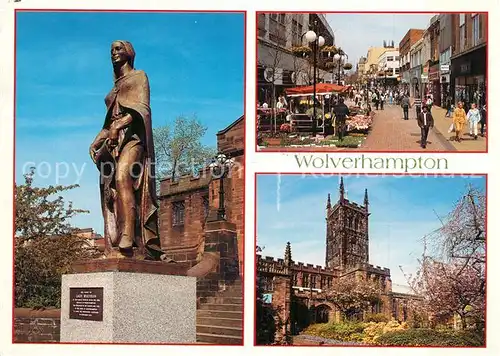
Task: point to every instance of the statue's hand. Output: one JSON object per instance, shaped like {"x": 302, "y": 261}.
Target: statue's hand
{"x": 113, "y": 137}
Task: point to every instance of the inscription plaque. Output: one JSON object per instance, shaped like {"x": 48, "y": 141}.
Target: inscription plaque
{"x": 85, "y": 303}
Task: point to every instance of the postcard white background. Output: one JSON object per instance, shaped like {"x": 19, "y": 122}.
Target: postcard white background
{"x": 265, "y": 162}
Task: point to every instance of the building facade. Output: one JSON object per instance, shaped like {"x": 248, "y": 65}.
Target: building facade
{"x": 409, "y": 39}
{"x": 445, "y": 47}
{"x": 278, "y": 66}
{"x": 416, "y": 68}
{"x": 388, "y": 62}
{"x": 299, "y": 290}
{"x": 469, "y": 59}
{"x": 185, "y": 204}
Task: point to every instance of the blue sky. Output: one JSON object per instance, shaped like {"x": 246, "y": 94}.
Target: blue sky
{"x": 355, "y": 33}
{"x": 194, "y": 61}
{"x": 403, "y": 210}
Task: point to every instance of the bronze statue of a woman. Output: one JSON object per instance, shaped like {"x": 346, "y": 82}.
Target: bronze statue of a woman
{"x": 124, "y": 154}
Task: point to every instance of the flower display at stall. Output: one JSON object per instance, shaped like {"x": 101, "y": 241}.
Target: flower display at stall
{"x": 285, "y": 128}
{"x": 359, "y": 122}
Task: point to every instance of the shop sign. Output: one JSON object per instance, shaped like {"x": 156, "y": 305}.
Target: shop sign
{"x": 465, "y": 68}
{"x": 445, "y": 67}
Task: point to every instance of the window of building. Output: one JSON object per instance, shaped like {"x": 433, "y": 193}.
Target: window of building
{"x": 395, "y": 309}
{"x": 313, "y": 281}
{"x": 178, "y": 213}
{"x": 481, "y": 24}
{"x": 294, "y": 280}
{"x": 396, "y": 58}
{"x": 461, "y": 19}
{"x": 296, "y": 32}
{"x": 206, "y": 205}
{"x": 277, "y": 29}
{"x": 267, "y": 284}
{"x": 261, "y": 18}
{"x": 476, "y": 36}
{"x": 305, "y": 280}
{"x": 405, "y": 311}
{"x": 390, "y": 58}
{"x": 329, "y": 282}
{"x": 396, "y": 70}
{"x": 462, "y": 38}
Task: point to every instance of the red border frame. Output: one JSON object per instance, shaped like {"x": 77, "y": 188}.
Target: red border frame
{"x": 485, "y": 175}
{"x": 242, "y": 272}
{"x": 319, "y": 150}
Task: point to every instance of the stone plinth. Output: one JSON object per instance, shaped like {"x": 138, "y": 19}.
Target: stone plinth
{"x": 142, "y": 302}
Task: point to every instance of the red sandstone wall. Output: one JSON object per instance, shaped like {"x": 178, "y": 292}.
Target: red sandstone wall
{"x": 231, "y": 142}
{"x": 37, "y": 325}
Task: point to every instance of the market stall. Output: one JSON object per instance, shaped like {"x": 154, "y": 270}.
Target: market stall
{"x": 300, "y": 101}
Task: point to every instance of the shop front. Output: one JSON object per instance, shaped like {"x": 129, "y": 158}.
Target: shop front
{"x": 415, "y": 81}
{"x": 468, "y": 77}
{"x": 444, "y": 74}
{"x": 435, "y": 85}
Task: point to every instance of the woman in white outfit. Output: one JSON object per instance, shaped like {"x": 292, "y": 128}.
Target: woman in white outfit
{"x": 474, "y": 117}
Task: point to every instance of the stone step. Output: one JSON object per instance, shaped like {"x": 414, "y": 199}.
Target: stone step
{"x": 221, "y": 300}
{"x": 219, "y": 314}
{"x": 219, "y": 330}
{"x": 222, "y": 307}
{"x": 218, "y": 339}
{"x": 235, "y": 323}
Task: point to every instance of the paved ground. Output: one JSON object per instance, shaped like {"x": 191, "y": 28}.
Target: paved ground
{"x": 442, "y": 124}
{"x": 391, "y": 133}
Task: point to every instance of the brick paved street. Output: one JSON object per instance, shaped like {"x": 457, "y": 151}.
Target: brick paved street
{"x": 391, "y": 133}
{"x": 468, "y": 143}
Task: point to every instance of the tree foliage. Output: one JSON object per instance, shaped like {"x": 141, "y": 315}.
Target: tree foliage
{"x": 451, "y": 277}
{"x": 179, "y": 150}
{"x": 352, "y": 297}
{"x": 45, "y": 243}
{"x": 38, "y": 214}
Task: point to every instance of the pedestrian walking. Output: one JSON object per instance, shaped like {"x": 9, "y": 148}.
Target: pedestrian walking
{"x": 459, "y": 119}
{"x": 425, "y": 122}
{"x": 382, "y": 100}
{"x": 405, "y": 104}
{"x": 483, "y": 119}
{"x": 341, "y": 112}
{"x": 429, "y": 102}
{"x": 473, "y": 117}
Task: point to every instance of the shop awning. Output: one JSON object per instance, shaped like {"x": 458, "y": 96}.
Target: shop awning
{"x": 321, "y": 89}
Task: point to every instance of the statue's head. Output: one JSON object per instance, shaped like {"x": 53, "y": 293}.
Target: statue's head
{"x": 122, "y": 52}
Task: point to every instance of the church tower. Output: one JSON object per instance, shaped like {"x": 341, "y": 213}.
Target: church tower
{"x": 346, "y": 231}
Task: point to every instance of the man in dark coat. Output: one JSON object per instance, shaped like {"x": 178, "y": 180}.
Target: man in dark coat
{"x": 341, "y": 112}
{"x": 405, "y": 104}
{"x": 425, "y": 122}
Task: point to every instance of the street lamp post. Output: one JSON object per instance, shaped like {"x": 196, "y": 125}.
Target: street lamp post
{"x": 220, "y": 167}
{"x": 316, "y": 41}
{"x": 339, "y": 58}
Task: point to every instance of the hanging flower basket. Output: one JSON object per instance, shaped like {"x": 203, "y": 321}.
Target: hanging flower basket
{"x": 348, "y": 66}
{"x": 330, "y": 64}
{"x": 301, "y": 50}
{"x": 329, "y": 49}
